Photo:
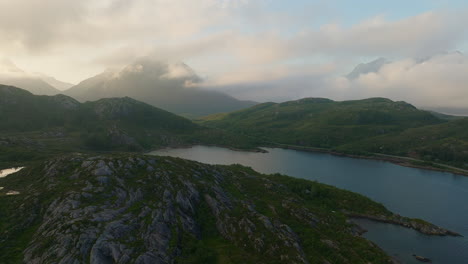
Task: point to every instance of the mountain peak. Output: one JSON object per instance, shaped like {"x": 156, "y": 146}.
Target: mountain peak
{"x": 159, "y": 83}
{"x": 62, "y": 86}
{"x": 365, "y": 68}
{"x": 156, "y": 69}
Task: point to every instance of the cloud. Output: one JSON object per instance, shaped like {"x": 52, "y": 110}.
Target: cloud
{"x": 439, "y": 81}
{"x": 40, "y": 25}
{"x": 242, "y": 46}
{"x": 420, "y": 35}
{"x": 434, "y": 82}
{"x": 32, "y": 25}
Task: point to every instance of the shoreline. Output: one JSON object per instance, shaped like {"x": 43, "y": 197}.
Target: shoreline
{"x": 420, "y": 226}
{"x": 182, "y": 146}
{"x": 401, "y": 161}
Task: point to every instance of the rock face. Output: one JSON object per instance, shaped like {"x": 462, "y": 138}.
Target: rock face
{"x": 141, "y": 209}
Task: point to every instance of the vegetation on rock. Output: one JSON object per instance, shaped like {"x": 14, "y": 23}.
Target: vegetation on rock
{"x": 141, "y": 209}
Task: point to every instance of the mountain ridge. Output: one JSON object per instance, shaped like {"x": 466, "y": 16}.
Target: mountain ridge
{"x": 169, "y": 86}
{"x": 33, "y": 127}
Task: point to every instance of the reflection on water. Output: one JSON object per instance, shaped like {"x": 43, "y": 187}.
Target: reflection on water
{"x": 402, "y": 243}
{"x": 434, "y": 196}
{"x": 6, "y": 172}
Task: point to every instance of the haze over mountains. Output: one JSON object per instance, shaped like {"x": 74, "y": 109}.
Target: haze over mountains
{"x": 177, "y": 88}
{"x": 170, "y": 86}
{"x": 10, "y": 74}
{"x": 434, "y": 82}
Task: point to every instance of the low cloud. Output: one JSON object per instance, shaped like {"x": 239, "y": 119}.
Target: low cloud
{"x": 435, "y": 82}
{"x": 243, "y": 47}
{"x": 439, "y": 81}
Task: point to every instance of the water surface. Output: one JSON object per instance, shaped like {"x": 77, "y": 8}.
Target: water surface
{"x": 6, "y": 172}
{"x": 438, "y": 197}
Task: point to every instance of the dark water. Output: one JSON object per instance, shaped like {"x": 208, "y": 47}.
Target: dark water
{"x": 441, "y": 198}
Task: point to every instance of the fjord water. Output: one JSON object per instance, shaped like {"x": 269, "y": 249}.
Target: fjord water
{"x": 6, "y": 172}
{"x": 438, "y": 197}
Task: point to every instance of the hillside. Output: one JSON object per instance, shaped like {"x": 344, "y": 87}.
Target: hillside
{"x": 361, "y": 127}
{"x": 164, "y": 85}
{"x": 321, "y": 122}
{"x": 31, "y": 125}
{"x": 441, "y": 143}
{"x": 142, "y": 209}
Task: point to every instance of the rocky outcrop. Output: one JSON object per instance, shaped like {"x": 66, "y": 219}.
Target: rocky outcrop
{"x": 142, "y": 209}
{"x": 416, "y": 224}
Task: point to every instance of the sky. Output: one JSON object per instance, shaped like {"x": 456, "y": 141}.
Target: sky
{"x": 264, "y": 50}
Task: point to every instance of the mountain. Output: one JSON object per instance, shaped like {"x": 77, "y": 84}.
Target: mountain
{"x": 22, "y": 111}
{"x": 318, "y": 122}
{"x": 12, "y": 75}
{"x": 34, "y": 126}
{"x": 365, "y": 68}
{"x": 124, "y": 208}
{"x": 57, "y": 84}
{"x": 165, "y": 85}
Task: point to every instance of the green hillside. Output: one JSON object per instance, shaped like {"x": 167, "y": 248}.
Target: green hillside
{"x": 441, "y": 143}
{"x": 34, "y": 126}
{"x": 322, "y": 122}
{"x": 360, "y": 127}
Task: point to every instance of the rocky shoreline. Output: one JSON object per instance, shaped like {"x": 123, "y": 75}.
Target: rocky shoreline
{"x": 418, "y": 225}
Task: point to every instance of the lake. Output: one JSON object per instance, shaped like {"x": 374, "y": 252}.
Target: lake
{"x": 6, "y": 172}
{"x": 438, "y": 197}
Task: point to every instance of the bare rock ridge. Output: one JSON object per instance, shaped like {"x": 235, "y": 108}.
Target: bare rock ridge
{"x": 143, "y": 209}
{"x": 137, "y": 209}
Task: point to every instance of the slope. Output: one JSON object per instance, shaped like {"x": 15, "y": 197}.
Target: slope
{"x": 441, "y": 143}
{"x": 39, "y": 125}
{"x": 322, "y": 123}
{"x": 168, "y": 86}
{"x": 142, "y": 209}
